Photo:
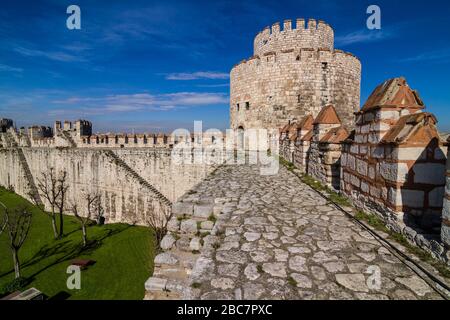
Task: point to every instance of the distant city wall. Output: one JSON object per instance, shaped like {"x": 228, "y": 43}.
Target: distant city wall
{"x": 132, "y": 183}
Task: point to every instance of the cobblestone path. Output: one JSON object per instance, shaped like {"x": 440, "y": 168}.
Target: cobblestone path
{"x": 281, "y": 240}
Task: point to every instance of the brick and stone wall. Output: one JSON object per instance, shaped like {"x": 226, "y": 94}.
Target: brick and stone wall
{"x": 325, "y": 149}
{"x": 293, "y": 73}
{"x": 445, "y": 234}
{"x": 391, "y": 164}
{"x": 395, "y": 163}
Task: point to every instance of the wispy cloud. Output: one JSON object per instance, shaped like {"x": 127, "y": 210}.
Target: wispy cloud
{"x": 219, "y": 85}
{"x": 6, "y": 68}
{"x": 197, "y": 75}
{"x": 363, "y": 36}
{"x": 433, "y": 56}
{"x": 139, "y": 102}
{"x": 51, "y": 55}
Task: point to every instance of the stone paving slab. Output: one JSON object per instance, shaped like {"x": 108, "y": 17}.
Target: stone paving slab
{"x": 278, "y": 239}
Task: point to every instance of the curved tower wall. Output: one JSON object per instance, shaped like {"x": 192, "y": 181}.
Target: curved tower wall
{"x": 294, "y": 72}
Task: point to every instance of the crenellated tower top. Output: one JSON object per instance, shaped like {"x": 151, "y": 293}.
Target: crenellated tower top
{"x": 314, "y": 34}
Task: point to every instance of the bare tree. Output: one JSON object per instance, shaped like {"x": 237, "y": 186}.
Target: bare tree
{"x": 53, "y": 189}
{"x": 3, "y": 223}
{"x": 158, "y": 220}
{"x": 60, "y": 202}
{"x": 93, "y": 206}
{"x": 18, "y": 223}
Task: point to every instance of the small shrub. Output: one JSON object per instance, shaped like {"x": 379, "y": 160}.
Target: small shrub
{"x": 259, "y": 268}
{"x": 216, "y": 245}
{"x": 196, "y": 285}
{"x": 15, "y": 285}
{"x": 292, "y": 281}
{"x": 212, "y": 218}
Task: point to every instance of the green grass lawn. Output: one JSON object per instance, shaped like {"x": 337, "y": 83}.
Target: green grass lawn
{"x": 123, "y": 254}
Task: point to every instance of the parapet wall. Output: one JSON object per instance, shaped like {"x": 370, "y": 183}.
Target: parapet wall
{"x": 445, "y": 234}
{"x": 288, "y": 36}
{"x": 392, "y": 164}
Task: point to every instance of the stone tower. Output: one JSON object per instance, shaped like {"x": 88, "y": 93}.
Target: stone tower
{"x": 294, "y": 72}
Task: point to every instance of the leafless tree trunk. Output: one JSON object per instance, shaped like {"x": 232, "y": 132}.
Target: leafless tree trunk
{"x": 60, "y": 203}
{"x": 93, "y": 205}
{"x": 53, "y": 189}
{"x": 158, "y": 222}
{"x": 18, "y": 223}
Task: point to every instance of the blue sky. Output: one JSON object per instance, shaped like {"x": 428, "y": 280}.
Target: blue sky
{"x": 156, "y": 66}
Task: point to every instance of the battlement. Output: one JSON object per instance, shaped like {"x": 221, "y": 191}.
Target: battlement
{"x": 293, "y": 55}
{"x": 314, "y": 34}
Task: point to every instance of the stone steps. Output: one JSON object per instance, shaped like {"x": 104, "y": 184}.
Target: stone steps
{"x": 189, "y": 232}
{"x": 135, "y": 175}
{"x": 34, "y": 192}
{"x": 67, "y": 136}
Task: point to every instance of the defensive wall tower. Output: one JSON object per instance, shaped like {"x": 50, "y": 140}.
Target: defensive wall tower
{"x": 294, "y": 72}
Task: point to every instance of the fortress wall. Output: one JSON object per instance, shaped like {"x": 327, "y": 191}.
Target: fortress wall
{"x": 301, "y": 35}
{"x": 124, "y": 199}
{"x": 292, "y": 84}
{"x": 156, "y": 166}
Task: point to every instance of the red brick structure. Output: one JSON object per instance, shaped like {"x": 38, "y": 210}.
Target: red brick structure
{"x": 325, "y": 150}
{"x": 302, "y": 142}
{"x": 445, "y": 231}
{"x": 395, "y": 164}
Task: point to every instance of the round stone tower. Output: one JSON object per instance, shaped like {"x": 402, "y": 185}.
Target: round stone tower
{"x": 294, "y": 72}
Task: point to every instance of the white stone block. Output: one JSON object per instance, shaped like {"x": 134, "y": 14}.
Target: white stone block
{"x": 372, "y": 172}
{"x": 396, "y": 172}
{"x": 365, "y": 128}
{"x": 182, "y": 208}
{"x": 189, "y": 226}
{"x": 429, "y": 173}
{"x": 364, "y": 187}
{"x": 375, "y": 192}
{"x": 387, "y": 114}
{"x": 167, "y": 242}
{"x": 446, "y": 209}
{"x": 195, "y": 244}
{"x": 155, "y": 284}
{"x": 361, "y": 167}
{"x": 203, "y": 210}
{"x": 409, "y": 153}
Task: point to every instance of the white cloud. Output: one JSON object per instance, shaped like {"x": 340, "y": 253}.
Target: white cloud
{"x": 51, "y": 55}
{"x": 197, "y": 75}
{"x": 6, "y": 68}
{"x": 363, "y": 36}
{"x": 139, "y": 102}
{"x": 435, "y": 56}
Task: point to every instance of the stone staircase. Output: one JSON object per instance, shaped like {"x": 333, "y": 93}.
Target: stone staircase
{"x": 9, "y": 139}
{"x": 191, "y": 230}
{"x": 69, "y": 138}
{"x": 135, "y": 175}
{"x": 34, "y": 193}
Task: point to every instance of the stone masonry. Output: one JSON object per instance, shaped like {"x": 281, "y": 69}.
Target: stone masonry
{"x": 274, "y": 238}
{"x": 294, "y": 72}
{"x": 445, "y": 234}
{"x": 392, "y": 164}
